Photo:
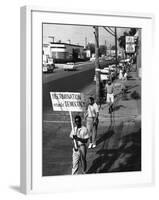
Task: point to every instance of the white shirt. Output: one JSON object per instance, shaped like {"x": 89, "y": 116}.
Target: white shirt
{"x": 81, "y": 132}
{"x": 125, "y": 75}
{"x": 92, "y": 110}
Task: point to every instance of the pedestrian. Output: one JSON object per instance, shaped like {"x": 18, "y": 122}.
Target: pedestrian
{"x": 109, "y": 89}
{"x": 120, "y": 74}
{"x": 125, "y": 76}
{"x": 91, "y": 117}
{"x": 80, "y": 136}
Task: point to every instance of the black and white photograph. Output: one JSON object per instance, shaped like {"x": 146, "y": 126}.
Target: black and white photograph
{"x": 91, "y": 99}
{"x": 79, "y": 100}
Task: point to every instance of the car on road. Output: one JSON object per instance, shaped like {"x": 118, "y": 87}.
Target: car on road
{"x": 48, "y": 65}
{"x": 70, "y": 66}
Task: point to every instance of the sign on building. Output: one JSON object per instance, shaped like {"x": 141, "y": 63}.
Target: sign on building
{"x": 130, "y": 44}
{"x": 130, "y": 39}
{"x": 130, "y": 48}
{"x": 67, "y": 101}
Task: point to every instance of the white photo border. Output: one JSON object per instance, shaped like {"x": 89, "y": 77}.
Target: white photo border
{"x": 32, "y": 181}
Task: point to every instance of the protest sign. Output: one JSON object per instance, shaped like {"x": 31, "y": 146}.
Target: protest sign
{"x": 67, "y": 101}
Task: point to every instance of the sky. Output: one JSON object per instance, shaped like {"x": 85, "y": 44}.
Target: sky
{"x": 78, "y": 34}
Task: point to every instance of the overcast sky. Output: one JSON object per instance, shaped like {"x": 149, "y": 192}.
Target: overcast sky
{"x": 78, "y": 34}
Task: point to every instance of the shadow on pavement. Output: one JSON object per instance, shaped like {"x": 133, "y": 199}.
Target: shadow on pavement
{"x": 126, "y": 157}
{"x": 131, "y": 87}
{"x": 105, "y": 136}
{"x": 115, "y": 108}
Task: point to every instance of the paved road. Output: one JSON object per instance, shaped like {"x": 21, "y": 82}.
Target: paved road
{"x": 118, "y": 148}
{"x": 64, "y": 81}
{"x": 60, "y": 73}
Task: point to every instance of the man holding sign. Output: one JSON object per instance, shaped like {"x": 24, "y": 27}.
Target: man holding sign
{"x": 73, "y": 102}
{"x": 80, "y": 136}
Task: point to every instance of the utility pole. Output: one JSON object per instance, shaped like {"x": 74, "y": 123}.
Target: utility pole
{"x": 85, "y": 42}
{"x": 114, "y": 34}
{"x": 96, "y": 33}
{"x": 105, "y": 48}
{"x": 110, "y": 49}
{"x": 116, "y": 48}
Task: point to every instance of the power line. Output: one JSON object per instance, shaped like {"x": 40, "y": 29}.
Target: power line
{"x": 111, "y": 30}
{"x": 108, "y": 31}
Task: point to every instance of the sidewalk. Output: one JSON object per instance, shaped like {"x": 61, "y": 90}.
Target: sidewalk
{"x": 119, "y": 134}
{"x": 127, "y": 107}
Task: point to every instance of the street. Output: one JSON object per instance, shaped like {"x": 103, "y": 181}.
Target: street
{"x": 64, "y": 81}
{"x": 119, "y": 134}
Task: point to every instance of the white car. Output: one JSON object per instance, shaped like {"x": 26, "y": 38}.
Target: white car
{"x": 105, "y": 70}
{"x": 70, "y": 66}
{"x": 104, "y": 74}
{"x": 92, "y": 59}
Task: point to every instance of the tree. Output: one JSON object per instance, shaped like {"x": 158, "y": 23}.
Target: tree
{"x": 75, "y": 53}
{"x": 132, "y": 31}
{"x": 121, "y": 39}
{"x": 91, "y": 47}
{"x": 113, "y": 47}
{"x": 102, "y": 50}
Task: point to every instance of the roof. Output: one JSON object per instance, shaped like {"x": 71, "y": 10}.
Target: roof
{"x": 75, "y": 45}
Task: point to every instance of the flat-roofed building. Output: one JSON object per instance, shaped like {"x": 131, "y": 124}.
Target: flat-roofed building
{"x": 62, "y": 52}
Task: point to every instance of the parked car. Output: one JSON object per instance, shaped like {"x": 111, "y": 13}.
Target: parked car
{"x": 104, "y": 74}
{"x": 92, "y": 59}
{"x": 70, "y": 66}
{"x": 114, "y": 71}
{"x": 48, "y": 65}
{"x": 105, "y": 70}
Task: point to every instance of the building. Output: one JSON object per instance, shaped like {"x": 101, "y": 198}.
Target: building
{"x": 64, "y": 52}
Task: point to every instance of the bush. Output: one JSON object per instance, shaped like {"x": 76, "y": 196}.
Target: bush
{"x": 135, "y": 95}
